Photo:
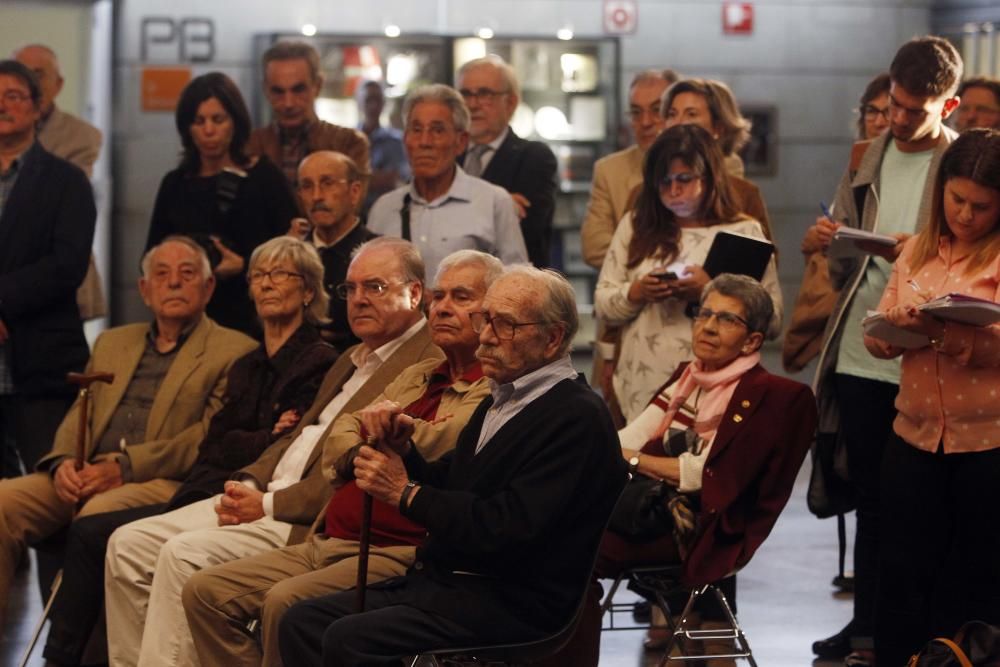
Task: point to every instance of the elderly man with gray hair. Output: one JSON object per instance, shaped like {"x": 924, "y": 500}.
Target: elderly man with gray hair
{"x": 440, "y": 396}
{"x": 514, "y": 513}
{"x": 444, "y": 209}
{"x": 145, "y": 426}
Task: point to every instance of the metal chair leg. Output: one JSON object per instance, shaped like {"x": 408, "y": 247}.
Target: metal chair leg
{"x": 56, "y": 583}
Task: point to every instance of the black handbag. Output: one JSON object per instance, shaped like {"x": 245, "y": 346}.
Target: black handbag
{"x": 642, "y": 512}
{"x": 976, "y": 644}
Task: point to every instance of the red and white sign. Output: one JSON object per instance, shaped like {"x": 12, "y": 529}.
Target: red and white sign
{"x": 737, "y": 18}
{"x": 621, "y": 17}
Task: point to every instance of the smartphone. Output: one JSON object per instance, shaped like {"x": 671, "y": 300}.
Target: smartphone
{"x": 664, "y": 276}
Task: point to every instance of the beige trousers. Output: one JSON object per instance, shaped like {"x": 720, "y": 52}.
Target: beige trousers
{"x": 174, "y": 546}
{"x": 221, "y": 600}
{"x": 30, "y": 511}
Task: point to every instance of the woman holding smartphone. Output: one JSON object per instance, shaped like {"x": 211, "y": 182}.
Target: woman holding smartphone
{"x": 653, "y": 269}
{"x": 940, "y": 494}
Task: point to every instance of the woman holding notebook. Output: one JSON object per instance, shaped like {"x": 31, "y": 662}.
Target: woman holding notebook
{"x": 941, "y": 472}
{"x": 653, "y": 269}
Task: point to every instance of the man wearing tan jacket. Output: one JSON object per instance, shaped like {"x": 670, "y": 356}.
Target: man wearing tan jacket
{"x": 274, "y": 501}
{"x": 146, "y": 425}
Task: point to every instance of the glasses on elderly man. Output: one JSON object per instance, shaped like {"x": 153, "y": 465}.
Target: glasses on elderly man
{"x": 370, "y": 288}
{"x": 277, "y": 276}
{"x": 481, "y": 95}
{"x": 502, "y": 327}
{"x": 11, "y": 96}
{"x": 725, "y": 320}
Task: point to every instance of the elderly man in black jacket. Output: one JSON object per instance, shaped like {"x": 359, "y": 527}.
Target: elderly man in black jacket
{"x": 47, "y": 218}
{"x": 514, "y": 513}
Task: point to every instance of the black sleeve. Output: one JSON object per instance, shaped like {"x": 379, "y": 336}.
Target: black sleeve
{"x": 536, "y": 180}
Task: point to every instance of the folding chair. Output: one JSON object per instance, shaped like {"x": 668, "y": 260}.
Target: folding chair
{"x": 658, "y": 584}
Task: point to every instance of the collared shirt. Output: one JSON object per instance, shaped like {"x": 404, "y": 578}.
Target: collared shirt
{"x": 293, "y": 462}
{"x": 510, "y": 398}
{"x": 473, "y": 214}
{"x": 294, "y": 148}
{"x": 948, "y": 395}
{"x": 320, "y": 243}
{"x": 7, "y": 180}
{"x": 494, "y": 146}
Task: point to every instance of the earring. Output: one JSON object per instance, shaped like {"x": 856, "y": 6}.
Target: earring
{"x": 306, "y": 303}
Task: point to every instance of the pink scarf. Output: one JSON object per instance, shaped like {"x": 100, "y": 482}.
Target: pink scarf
{"x": 717, "y": 389}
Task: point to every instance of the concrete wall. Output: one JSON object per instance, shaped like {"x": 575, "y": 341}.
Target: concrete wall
{"x": 808, "y": 58}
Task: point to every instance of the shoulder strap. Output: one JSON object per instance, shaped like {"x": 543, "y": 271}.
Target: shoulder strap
{"x": 404, "y": 217}
{"x": 963, "y": 659}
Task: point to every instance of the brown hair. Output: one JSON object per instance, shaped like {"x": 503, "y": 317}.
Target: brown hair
{"x": 877, "y": 86}
{"x": 655, "y": 229}
{"x": 734, "y": 129}
{"x": 928, "y": 66}
{"x": 975, "y": 155}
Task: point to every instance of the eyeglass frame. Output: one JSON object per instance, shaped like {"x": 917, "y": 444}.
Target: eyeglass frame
{"x": 482, "y": 95}
{"x": 481, "y": 318}
{"x": 683, "y": 178}
{"x": 371, "y": 288}
{"x": 724, "y": 318}
{"x": 257, "y": 276}
{"x": 14, "y": 96}
{"x": 870, "y": 111}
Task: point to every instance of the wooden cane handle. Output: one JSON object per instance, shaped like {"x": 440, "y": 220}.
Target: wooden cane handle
{"x": 84, "y": 380}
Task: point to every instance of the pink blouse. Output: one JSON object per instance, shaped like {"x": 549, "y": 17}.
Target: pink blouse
{"x": 950, "y": 394}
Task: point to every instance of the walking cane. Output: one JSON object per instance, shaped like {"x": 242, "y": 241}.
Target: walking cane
{"x": 83, "y": 381}
{"x": 363, "y": 548}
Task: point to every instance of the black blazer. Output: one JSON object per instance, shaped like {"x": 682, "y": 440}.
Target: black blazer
{"x": 528, "y": 168}
{"x": 525, "y": 515}
{"x": 46, "y": 230}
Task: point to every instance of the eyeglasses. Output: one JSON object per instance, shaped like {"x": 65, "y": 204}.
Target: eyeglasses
{"x": 726, "y": 320}
{"x": 502, "y": 327}
{"x": 325, "y": 183}
{"x": 484, "y": 95}
{"x": 277, "y": 276}
{"x": 370, "y": 288}
{"x": 871, "y": 112}
{"x": 684, "y": 178}
{"x": 978, "y": 109}
{"x": 11, "y": 96}
{"x": 638, "y": 113}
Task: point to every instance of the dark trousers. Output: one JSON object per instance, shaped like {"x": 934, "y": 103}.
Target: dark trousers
{"x": 867, "y": 410}
{"x": 28, "y": 427}
{"x": 80, "y": 602}
{"x": 325, "y": 631}
{"x": 935, "y": 507}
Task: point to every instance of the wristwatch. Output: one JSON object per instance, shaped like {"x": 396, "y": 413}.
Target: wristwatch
{"x": 633, "y": 465}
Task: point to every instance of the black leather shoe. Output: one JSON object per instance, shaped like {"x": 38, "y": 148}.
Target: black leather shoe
{"x": 835, "y": 647}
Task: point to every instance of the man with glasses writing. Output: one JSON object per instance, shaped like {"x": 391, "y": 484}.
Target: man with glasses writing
{"x": 274, "y": 501}
{"x": 525, "y": 169}
{"x": 444, "y": 209}
{"x": 330, "y": 187}
{"x": 47, "y": 218}
{"x": 514, "y": 513}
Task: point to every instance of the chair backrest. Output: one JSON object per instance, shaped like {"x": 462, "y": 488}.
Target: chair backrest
{"x": 537, "y": 649}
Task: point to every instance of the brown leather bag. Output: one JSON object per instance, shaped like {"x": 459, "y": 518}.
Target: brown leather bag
{"x": 813, "y": 305}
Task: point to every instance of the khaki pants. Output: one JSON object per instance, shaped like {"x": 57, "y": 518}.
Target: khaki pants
{"x": 30, "y": 511}
{"x": 221, "y": 600}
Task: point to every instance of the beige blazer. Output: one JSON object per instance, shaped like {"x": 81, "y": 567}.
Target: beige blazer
{"x": 299, "y": 503}
{"x": 615, "y": 176}
{"x": 76, "y": 141}
{"x": 191, "y": 392}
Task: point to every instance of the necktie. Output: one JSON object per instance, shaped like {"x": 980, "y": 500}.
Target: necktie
{"x": 474, "y": 159}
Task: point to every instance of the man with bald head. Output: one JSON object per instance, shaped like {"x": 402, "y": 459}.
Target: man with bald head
{"x": 535, "y": 471}
{"x": 60, "y": 133}
{"x": 330, "y": 186}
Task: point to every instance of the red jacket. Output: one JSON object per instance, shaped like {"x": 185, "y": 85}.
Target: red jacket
{"x": 750, "y": 471}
